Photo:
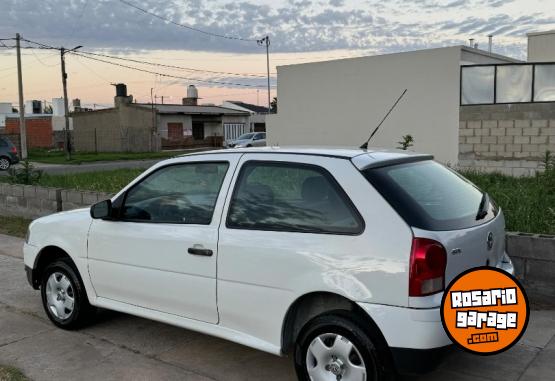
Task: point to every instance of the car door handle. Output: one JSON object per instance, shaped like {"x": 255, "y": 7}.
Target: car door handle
{"x": 198, "y": 251}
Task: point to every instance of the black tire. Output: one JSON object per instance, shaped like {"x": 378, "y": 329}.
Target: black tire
{"x": 82, "y": 312}
{"x": 5, "y": 163}
{"x": 371, "y": 348}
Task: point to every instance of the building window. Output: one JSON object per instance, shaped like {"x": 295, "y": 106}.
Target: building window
{"x": 477, "y": 85}
{"x": 544, "y": 84}
{"x": 514, "y": 84}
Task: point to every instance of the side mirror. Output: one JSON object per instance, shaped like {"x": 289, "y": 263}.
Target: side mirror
{"x": 102, "y": 209}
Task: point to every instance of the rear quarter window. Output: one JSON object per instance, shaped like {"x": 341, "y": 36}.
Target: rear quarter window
{"x": 429, "y": 196}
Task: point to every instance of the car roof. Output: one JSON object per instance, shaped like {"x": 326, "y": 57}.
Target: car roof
{"x": 362, "y": 158}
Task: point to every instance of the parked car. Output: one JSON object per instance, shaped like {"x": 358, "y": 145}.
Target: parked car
{"x": 252, "y": 139}
{"x": 8, "y": 154}
{"x": 337, "y": 257}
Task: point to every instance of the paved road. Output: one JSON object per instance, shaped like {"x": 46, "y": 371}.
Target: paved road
{"x": 122, "y": 347}
{"x": 58, "y": 169}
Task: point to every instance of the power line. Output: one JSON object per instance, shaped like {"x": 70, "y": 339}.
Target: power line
{"x": 167, "y": 75}
{"x": 173, "y": 66}
{"x": 185, "y": 26}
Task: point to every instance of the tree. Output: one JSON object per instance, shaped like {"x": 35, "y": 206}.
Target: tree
{"x": 273, "y": 106}
{"x": 48, "y": 109}
{"x": 406, "y": 142}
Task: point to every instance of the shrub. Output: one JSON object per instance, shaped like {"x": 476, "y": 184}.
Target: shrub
{"x": 27, "y": 174}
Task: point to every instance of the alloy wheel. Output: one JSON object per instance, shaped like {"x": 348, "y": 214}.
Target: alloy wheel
{"x": 4, "y": 164}
{"x": 335, "y": 358}
{"x": 60, "y": 296}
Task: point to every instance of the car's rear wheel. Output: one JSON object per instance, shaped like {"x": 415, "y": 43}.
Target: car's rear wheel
{"x": 4, "y": 163}
{"x": 64, "y": 297}
{"x": 333, "y": 347}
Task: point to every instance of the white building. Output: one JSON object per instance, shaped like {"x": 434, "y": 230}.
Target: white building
{"x": 340, "y": 102}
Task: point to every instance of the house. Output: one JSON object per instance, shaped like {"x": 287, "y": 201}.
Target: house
{"x": 142, "y": 127}
{"x": 258, "y": 114}
{"x": 467, "y": 106}
{"x": 38, "y": 125}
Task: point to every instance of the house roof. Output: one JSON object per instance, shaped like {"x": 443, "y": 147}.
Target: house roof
{"x": 251, "y": 107}
{"x": 198, "y": 110}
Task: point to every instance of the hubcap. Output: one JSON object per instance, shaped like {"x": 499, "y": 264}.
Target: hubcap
{"x": 333, "y": 357}
{"x": 59, "y": 296}
{"x": 4, "y": 164}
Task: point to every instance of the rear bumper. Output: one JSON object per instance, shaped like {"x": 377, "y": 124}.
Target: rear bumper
{"x": 415, "y": 336}
{"x": 14, "y": 159}
{"x": 417, "y": 361}
{"x": 506, "y": 264}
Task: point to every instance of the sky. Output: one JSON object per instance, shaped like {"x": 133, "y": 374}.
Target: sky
{"x": 215, "y": 47}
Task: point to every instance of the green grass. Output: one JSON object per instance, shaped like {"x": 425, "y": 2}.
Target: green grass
{"x": 15, "y": 226}
{"x": 9, "y": 373}
{"x": 528, "y": 203}
{"x": 104, "y": 181}
{"x": 59, "y": 157}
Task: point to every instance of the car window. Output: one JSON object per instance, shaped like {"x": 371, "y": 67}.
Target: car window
{"x": 291, "y": 197}
{"x": 183, "y": 194}
{"x": 259, "y": 136}
{"x": 3, "y": 143}
{"x": 245, "y": 136}
{"x": 428, "y": 195}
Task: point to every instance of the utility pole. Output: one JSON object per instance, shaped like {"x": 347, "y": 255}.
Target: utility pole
{"x": 22, "y": 126}
{"x": 67, "y": 144}
{"x": 266, "y": 41}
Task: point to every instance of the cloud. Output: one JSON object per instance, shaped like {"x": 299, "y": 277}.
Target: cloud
{"x": 293, "y": 25}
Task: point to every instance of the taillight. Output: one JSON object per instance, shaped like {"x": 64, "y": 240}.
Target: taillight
{"x": 14, "y": 150}
{"x": 428, "y": 259}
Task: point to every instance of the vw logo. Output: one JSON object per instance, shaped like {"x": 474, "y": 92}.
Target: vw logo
{"x": 489, "y": 241}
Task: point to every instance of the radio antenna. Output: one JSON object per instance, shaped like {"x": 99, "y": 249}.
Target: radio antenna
{"x": 365, "y": 145}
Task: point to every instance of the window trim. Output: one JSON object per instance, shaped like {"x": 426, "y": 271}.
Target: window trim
{"x": 119, "y": 203}
{"x": 293, "y": 164}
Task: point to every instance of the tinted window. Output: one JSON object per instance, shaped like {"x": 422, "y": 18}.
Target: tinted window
{"x": 184, "y": 194}
{"x": 3, "y": 143}
{"x": 291, "y": 197}
{"x": 429, "y": 196}
{"x": 245, "y": 136}
{"x": 259, "y": 136}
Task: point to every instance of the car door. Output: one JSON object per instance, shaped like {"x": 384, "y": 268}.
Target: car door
{"x": 287, "y": 219}
{"x": 161, "y": 250}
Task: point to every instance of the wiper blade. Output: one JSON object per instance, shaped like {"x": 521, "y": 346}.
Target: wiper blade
{"x": 483, "y": 208}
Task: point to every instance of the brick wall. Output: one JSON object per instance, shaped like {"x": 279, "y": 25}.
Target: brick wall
{"x": 39, "y": 131}
{"x": 511, "y": 139}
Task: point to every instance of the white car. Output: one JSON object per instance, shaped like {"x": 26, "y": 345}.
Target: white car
{"x": 338, "y": 257}
{"x": 251, "y": 139}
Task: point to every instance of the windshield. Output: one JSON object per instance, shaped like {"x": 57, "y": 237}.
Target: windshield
{"x": 430, "y": 196}
{"x": 245, "y": 137}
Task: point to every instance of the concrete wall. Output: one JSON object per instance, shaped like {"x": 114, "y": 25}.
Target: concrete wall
{"x": 541, "y": 47}
{"x": 123, "y": 129}
{"x": 511, "y": 139}
{"x": 340, "y": 102}
{"x": 31, "y": 201}
{"x": 534, "y": 258}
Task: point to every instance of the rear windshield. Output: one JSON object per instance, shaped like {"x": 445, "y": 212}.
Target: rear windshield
{"x": 429, "y": 196}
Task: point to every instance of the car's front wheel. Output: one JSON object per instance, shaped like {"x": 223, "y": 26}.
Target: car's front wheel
{"x": 4, "y": 164}
{"x": 333, "y": 347}
{"x": 64, "y": 297}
